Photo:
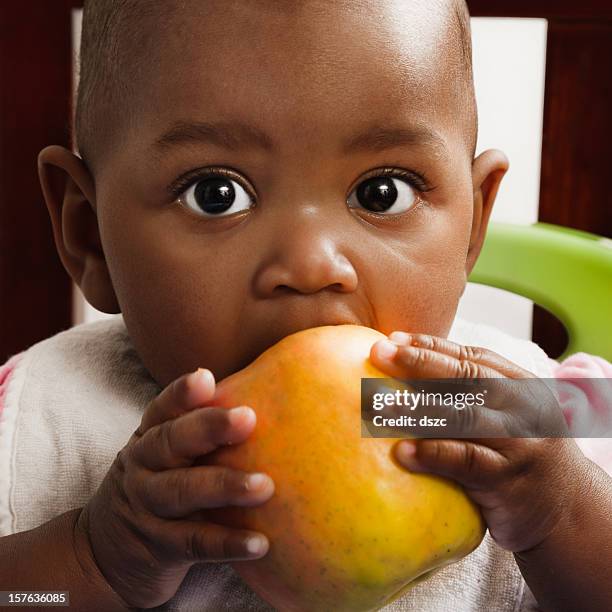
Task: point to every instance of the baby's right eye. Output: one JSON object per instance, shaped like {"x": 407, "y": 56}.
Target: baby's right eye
{"x": 216, "y": 195}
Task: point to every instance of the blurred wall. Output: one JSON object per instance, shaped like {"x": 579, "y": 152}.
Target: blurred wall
{"x": 509, "y": 65}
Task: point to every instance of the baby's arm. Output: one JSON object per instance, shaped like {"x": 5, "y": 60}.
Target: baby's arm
{"x": 56, "y": 556}
{"x": 583, "y": 404}
{"x": 541, "y": 498}
{"x": 571, "y": 569}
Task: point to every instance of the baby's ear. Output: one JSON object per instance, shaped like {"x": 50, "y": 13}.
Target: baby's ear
{"x": 69, "y": 192}
{"x": 488, "y": 169}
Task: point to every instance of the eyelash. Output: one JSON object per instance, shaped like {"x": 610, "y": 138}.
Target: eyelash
{"x": 417, "y": 180}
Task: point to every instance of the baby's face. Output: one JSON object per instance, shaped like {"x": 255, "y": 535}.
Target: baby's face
{"x": 343, "y": 192}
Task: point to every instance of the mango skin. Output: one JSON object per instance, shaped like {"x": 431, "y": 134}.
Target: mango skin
{"x": 349, "y": 528}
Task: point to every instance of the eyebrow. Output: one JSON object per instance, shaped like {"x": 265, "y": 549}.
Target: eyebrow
{"x": 237, "y": 136}
{"x": 379, "y": 138}
{"x": 229, "y": 135}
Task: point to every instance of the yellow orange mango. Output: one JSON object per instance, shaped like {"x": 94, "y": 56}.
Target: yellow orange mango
{"x": 349, "y": 528}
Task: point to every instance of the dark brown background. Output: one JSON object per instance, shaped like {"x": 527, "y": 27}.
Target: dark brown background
{"x": 35, "y": 81}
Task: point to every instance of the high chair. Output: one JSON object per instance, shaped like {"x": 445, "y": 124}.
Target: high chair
{"x": 566, "y": 271}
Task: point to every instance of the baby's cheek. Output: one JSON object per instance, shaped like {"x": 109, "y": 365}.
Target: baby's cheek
{"x": 422, "y": 299}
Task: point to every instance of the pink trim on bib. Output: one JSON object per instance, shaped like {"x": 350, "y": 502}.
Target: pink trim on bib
{"x": 5, "y": 374}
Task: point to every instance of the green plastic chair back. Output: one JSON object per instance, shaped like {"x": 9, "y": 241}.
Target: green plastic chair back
{"x": 566, "y": 271}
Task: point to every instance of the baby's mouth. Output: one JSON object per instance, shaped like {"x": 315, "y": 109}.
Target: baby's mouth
{"x": 283, "y": 331}
{"x": 275, "y": 332}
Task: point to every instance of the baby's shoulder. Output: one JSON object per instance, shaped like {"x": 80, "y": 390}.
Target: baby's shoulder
{"x": 82, "y": 384}
{"x": 82, "y": 360}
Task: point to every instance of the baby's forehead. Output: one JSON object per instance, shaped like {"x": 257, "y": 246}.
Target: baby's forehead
{"x": 434, "y": 29}
{"x": 300, "y": 49}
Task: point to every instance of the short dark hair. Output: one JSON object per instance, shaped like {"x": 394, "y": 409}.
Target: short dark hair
{"x": 462, "y": 16}
{"x": 113, "y": 29}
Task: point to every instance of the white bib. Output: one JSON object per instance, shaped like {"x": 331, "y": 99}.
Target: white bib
{"x": 74, "y": 400}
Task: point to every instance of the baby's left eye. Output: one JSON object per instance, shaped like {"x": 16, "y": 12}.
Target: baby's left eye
{"x": 383, "y": 194}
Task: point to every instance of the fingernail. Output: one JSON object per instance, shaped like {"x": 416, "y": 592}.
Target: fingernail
{"x": 241, "y": 413}
{"x": 399, "y": 337}
{"x": 386, "y": 349}
{"x": 200, "y": 375}
{"x": 406, "y": 453}
{"x": 256, "y": 481}
{"x": 255, "y": 545}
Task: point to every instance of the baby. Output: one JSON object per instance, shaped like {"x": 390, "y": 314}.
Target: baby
{"x": 248, "y": 170}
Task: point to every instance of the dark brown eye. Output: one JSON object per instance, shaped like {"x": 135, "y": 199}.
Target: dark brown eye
{"x": 383, "y": 194}
{"x": 216, "y": 196}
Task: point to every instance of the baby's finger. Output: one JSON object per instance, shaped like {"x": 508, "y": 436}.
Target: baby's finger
{"x": 472, "y": 465}
{"x": 178, "y": 493}
{"x": 475, "y": 354}
{"x": 178, "y": 442}
{"x": 199, "y": 542}
{"x": 409, "y": 362}
{"x": 189, "y": 391}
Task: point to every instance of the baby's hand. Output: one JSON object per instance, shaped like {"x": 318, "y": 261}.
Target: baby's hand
{"x": 525, "y": 487}
{"x": 141, "y": 520}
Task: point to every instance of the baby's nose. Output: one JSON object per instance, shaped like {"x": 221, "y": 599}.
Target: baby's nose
{"x": 308, "y": 260}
